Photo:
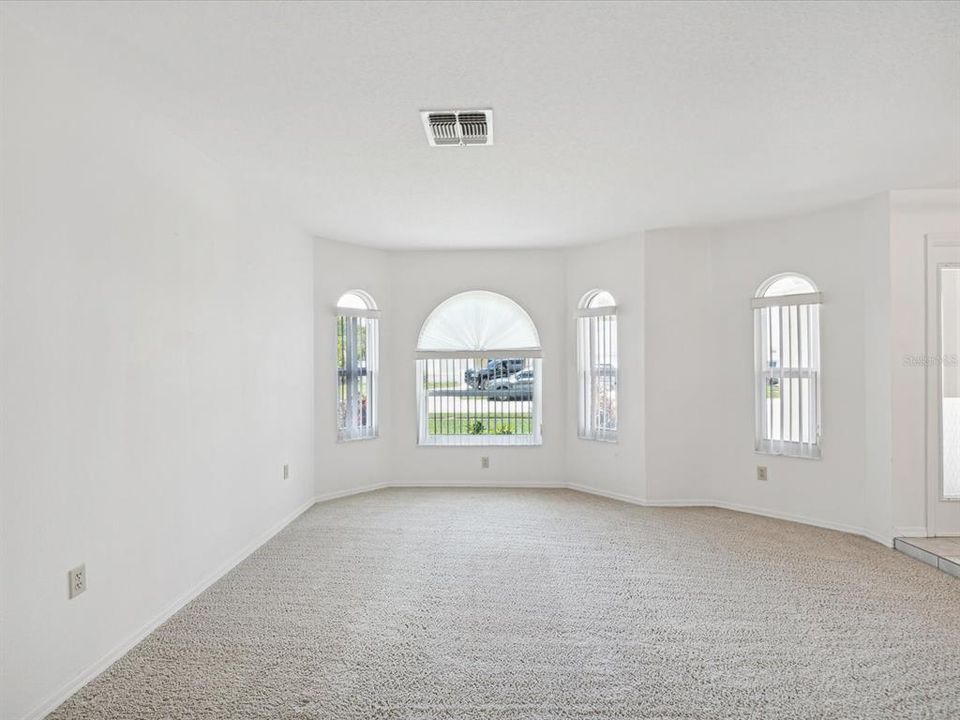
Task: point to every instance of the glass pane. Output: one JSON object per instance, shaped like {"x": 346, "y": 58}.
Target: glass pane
{"x": 601, "y": 299}
{"x": 601, "y": 376}
{"x": 354, "y": 301}
{"x": 789, "y": 285}
{"x": 356, "y": 366}
{"x": 788, "y": 370}
{"x": 478, "y": 320}
{"x": 950, "y": 364}
{"x": 469, "y": 397}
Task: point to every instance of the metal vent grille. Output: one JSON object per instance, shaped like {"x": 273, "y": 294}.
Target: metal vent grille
{"x": 443, "y": 129}
{"x": 458, "y": 127}
{"x": 473, "y": 128}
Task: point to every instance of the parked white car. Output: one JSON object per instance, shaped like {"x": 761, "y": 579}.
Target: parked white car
{"x": 515, "y": 387}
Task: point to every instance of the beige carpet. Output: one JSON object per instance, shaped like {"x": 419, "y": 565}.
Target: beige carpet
{"x": 504, "y": 604}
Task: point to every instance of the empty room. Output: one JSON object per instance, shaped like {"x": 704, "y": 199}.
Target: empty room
{"x": 479, "y": 360}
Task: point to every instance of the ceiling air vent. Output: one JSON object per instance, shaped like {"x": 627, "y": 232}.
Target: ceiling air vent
{"x": 458, "y": 127}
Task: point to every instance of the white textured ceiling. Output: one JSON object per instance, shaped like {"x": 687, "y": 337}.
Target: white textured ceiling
{"x": 609, "y": 118}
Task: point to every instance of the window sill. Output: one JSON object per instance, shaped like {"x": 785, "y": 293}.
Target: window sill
{"x": 461, "y": 442}
{"x": 605, "y": 440}
{"x": 795, "y": 456}
{"x": 346, "y": 439}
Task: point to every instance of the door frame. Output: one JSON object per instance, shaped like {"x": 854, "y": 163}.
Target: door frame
{"x": 933, "y": 427}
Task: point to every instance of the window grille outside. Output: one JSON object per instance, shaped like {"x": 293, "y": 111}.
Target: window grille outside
{"x": 357, "y": 377}
{"x": 479, "y": 400}
{"x": 597, "y": 371}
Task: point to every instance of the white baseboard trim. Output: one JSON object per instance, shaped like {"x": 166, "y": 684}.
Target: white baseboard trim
{"x": 129, "y": 642}
{"x": 806, "y": 520}
{"x": 490, "y": 484}
{"x": 347, "y": 493}
{"x": 878, "y": 538}
{"x": 668, "y": 503}
{"x": 634, "y": 500}
{"x": 916, "y": 532}
{"x": 790, "y": 517}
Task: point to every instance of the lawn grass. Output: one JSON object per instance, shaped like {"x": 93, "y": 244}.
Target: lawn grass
{"x": 450, "y": 424}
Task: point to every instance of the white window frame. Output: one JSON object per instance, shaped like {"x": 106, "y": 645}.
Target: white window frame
{"x": 795, "y": 321}
{"x": 429, "y": 360}
{"x": 350, "y": 321}
{"x": 597, "y": 348}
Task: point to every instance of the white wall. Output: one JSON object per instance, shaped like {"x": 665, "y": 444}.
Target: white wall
{"x": 338, "y": 267}
{"x": 687, "y": 366}
{"x": 157, "y": 371}
{"x": 422, "y": 280}
{"x": 868, "y": 257}
{"x": 617, "y": 267}
{"x": 407, "y": 287}
{"x": 661, "y": 282}
{"x": 828, "y": 247}
{"x": 680, "y": 401}
{"x": 686, "y": 378}
{"x": 913, "y": 215}
{"x": 878, "y": 378}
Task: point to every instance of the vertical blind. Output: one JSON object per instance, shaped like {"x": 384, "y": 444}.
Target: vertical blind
{"x": 787, "y": 339}
{"x": 597, "y": 373}
{"x": 357, "y": 374}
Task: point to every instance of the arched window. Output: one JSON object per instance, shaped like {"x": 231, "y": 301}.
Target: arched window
{"x": 478, "y": 373}
{"x": 357, "y": 366}
{"x": 597, "y": 366}
{"x": 787, "y": 341}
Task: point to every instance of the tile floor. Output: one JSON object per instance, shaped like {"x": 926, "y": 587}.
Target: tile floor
{"x": 942, "y": 552}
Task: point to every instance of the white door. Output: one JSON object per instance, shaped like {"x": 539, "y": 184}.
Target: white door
{"x": 943, "y": 385}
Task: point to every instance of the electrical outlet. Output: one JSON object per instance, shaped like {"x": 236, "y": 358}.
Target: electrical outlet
{"x": 286, "y": 472}
{"x": 762, "y": 473}
{"x": 78, "y": 580}
{"x": 485, "y": 462}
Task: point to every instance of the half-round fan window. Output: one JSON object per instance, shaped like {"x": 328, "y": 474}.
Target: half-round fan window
{"x": 356, "y": 300}
{"x": 597, "y": 299}
{"x": 478, "y": 321}
{"x": 786, "y": 284}
{"x": 478, "y": 373}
